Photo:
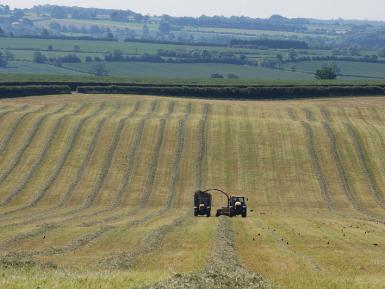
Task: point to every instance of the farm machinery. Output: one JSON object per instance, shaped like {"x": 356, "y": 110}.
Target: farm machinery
{"x": 202, "y": 204}
{"x": 236, "y": 205}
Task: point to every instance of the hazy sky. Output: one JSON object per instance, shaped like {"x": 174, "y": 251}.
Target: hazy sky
{"x": 324, "y": 9}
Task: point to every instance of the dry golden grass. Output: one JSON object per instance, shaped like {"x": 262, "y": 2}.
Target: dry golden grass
{"x": 96, "y": 191}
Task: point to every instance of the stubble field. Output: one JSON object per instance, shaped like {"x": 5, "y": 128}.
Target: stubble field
{"x": 96, "y": 192}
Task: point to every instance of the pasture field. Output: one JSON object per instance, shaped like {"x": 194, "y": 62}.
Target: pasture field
{"x": 23, "y": 50}
{"x": 96, "y": 192}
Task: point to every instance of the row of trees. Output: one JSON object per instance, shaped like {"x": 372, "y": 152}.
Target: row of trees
{"x": 5, "y": 57}
{"x": 39, "y": 57}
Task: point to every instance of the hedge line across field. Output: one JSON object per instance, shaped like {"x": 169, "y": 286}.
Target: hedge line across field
{"x": 75, "y": 84}
{"x": 33, "y": 90}
{"x": 239, "y": 93}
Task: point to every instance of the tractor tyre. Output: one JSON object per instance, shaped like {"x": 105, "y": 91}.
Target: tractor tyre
{"x": 208, "y": 214}
{"x": 244, "y": 215}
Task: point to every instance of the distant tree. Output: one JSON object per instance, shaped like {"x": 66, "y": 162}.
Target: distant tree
{"x": 327, "y": 71}
{"x": 355, "y": 51}
{"x": 97, "y": 59}
{"x": 279, "y": 58}
{"x": 3, "y": 60}
{"x": 50, "y": 47}
{"x": 88, "y": 59}
{"x": 45, "y": 32}
{"x": 55, "y": 26}
{"x": 38, "y": 57}
{"x": 8, "y": 55}
{"x": 99, "y": 69}
{"x": 292, "y": 55}
{"x": 58, "y": 13}
{"x": 145, "y": 31}
{"x": 293, "y": 69}
{"x": 164, "y": 27}
{"x": 17, "y": 14}
{"x": 76, "y": 47}
{"x": 217, "y": 75}
{"x": 232, "y": 76}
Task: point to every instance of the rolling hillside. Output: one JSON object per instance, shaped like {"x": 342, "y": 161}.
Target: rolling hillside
{"x": 96, "y": 192}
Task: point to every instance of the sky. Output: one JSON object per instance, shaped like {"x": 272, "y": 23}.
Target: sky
{"x": 321, "y": 9}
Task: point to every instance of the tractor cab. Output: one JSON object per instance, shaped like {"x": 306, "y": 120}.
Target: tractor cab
{"x": 202, "y": 204}
{"x": 237, "y": 206}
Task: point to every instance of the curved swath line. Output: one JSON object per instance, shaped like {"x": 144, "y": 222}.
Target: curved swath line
{"x": 106, "y": 164}
{"x": 309, "y": 114}
{"x": 104, "y": 175}
{"x": 39, "y": 160}
{"x": 29, "y": 139}
{"x": 153, "y": 240}
{"x": 4, "y": 113}
{"x": 178, "y": 156}
{"x": 83, "y": 240}
{"x": 325, "y": 114}
{"x": 291, "y": 113}
{"x": 60, "y": 164}
{"x": 5, "y": 142}
{"x": 364, "y": 166}
{"x": 325, "y": 192}
{"x": 153, "y": 164}
{"x": 88, "y": 238}
{"x": 155, "y": 157}
{"x": 202, "y": 146}
{"x": 343, "y": 177}
{"x": 127, "y": 177}
{"x": 89, "y": 152}
{"x": 83, "y": 167}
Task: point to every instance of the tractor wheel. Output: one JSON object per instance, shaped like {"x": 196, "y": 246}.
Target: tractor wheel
{"x": 208, "y": 214}
{"x": 196, "y": 213}
{"x": 244, "y": 215}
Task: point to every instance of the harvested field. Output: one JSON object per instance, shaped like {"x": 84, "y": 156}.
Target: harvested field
{"x": 96, "y": 192}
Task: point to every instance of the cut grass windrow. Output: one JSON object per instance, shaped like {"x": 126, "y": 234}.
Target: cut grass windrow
{"x": 291, "y": 113}
{"x": 106, "y": 163}
{"x": 324, "y": 188}
{"x": 178, "y": 156}
{"x": 344, "y": 179}
{"x": 7, "y": 110}
{"x": 153, "y": 164}
{"x": 325, "y": 114}
{"x": 222, "y": 271}
{"x": 309, "y": 114}
{"x": 84, "y": 163}
{"x": 64, "y": 156}
{"x": 202, "y": 146}
{"x": 39, "y": 159}
{"x": 82, "y": 169}
{"x": 147, "y": 244}
{"x": 29, "y": 139}
{"x": 365, "y": 166}
{"x": 11, "y": 131}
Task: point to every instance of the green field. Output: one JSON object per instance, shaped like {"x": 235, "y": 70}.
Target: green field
{"x": 23, "y": 50}
{"x": 96, "y": 192}
{"x": 355, "y": 69}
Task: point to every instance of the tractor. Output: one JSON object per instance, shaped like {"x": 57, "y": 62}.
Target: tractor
{"x": 202, "y": 204}
{"x": 235, "y": 205}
